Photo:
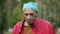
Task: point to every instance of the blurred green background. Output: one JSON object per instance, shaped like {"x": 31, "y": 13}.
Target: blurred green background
{"x": 11, "y": 12}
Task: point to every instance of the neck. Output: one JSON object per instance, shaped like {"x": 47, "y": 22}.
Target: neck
{"x": 27, "y": 24}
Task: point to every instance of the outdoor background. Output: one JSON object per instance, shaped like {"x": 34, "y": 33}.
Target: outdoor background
{"x": 11, "y": 13}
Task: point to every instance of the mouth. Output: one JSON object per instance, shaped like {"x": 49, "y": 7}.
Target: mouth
{"x": 30, "y": 22}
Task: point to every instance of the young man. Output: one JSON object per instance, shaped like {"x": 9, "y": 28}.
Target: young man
{"x": 31, "y": 24}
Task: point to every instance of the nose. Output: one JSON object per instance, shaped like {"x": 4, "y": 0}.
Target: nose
{"x": 28, "y": 17}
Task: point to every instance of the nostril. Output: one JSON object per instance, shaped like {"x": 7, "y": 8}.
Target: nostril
{"x": 29, "y": 17}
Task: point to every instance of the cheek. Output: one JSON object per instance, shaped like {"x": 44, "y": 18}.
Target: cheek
{"x": 25, "y": 17}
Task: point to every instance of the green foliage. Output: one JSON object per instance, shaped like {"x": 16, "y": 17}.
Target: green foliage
{"x": 1, "y": 2}
{"x": 16, "y": 16}
{"x": 25, "y": 1}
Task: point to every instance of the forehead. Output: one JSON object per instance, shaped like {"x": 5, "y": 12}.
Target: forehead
{"x": 29, "y": 11}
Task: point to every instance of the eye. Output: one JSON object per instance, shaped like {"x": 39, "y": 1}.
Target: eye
{"x": 26, "y": 14}
{"x": 31, "y": 14}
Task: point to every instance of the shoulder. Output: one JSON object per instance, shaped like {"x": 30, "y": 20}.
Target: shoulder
{"x": 18, "y": 24}
{"x": 44, "y": 22}
{"x": 17, "y": 28}
{"x": 45, "y": 25}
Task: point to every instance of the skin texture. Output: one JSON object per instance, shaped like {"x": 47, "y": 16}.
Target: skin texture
{"x": 29, "y": 15}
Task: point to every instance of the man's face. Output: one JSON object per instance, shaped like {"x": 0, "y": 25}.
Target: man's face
{"x": 29, "y": 15}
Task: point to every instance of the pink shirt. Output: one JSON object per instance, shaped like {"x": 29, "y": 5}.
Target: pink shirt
{"x": 40, "y": 27}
